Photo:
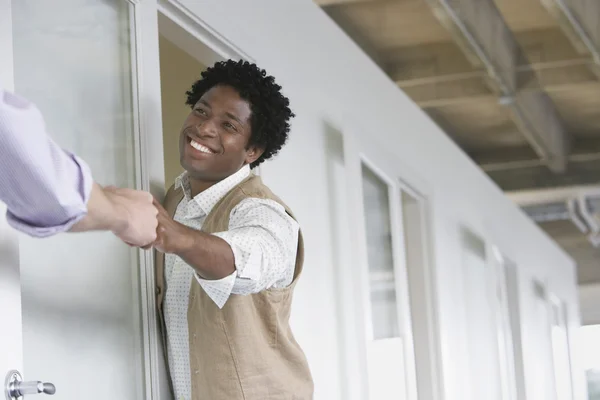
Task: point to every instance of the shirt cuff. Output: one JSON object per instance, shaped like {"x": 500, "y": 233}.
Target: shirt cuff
{"x": 87, "y": 181}
{"x": 218, "y": 290}
{"x": 42, "y": 231}
{"x": 247, "y": 258}
{"x": 85, "y": 190}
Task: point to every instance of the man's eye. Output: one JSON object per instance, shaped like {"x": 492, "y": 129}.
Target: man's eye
{"x": 229, "y": 125}
{"x": 200, "y": 111}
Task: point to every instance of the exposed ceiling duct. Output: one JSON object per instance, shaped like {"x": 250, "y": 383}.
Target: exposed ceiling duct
{"x": 485, "y": 38}
{"x": 580, "y": 205}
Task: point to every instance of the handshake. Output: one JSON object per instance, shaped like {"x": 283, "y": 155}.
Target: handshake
{"x": 131, "y": 215}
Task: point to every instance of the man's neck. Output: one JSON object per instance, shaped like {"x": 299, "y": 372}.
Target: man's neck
{"x": 199, "y": 186}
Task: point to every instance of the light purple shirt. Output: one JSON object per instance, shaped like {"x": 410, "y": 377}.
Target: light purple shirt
{"x": 45, "y": 188}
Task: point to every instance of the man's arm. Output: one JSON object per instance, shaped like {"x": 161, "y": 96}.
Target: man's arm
{"x": 209, "y": 255}
{"x": 264, "y": 241}
{"x": 48, "y": 190}
{"x": 262, "y": 237}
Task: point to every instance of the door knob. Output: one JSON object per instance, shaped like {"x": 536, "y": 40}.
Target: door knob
{"x": 16, "y": 389}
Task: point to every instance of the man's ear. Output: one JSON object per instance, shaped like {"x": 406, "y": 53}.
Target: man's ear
{"x": 253, "y": 153}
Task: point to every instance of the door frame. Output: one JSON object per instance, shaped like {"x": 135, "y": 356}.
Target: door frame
{"x": 425, "y": 282}
{"x": 506, "y": 307}
{"x": 200, "y": 30}
{"x": 157, "y": 385}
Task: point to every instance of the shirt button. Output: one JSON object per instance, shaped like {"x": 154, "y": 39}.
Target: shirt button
{"x": 157, "y": 290}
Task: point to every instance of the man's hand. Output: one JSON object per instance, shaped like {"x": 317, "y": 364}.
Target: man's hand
{"x": 210, "y": 256}
{"x": 129, "y": 214}
{"x": 171, "y": 235}
{"x": 136, "y": 215}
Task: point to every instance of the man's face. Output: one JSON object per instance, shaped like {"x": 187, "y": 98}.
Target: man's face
{"x": 213, "y": 143}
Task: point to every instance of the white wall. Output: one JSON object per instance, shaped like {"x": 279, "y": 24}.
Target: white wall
{"x": 330, "y": 82}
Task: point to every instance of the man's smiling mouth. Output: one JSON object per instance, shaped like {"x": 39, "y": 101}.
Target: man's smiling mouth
{"x": 200, "y": 147}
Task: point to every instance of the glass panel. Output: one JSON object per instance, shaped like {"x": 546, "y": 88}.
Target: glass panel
{"x": 381, "y": 263}
{"x": 80, "y": 295}
{"x": 589, "y": 354}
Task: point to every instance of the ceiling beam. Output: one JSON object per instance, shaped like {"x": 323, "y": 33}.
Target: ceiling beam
{"x": 582, "y": 150}
{"x": 540, "y": 177}
{"x": 579, "y": 21}
{"x": 486, "y": 40}
{"x": 435, "y": 91}
{"x": 542, "y": 48}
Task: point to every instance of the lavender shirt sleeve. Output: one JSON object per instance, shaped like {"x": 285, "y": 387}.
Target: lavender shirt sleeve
{"x": 45, "y": 188}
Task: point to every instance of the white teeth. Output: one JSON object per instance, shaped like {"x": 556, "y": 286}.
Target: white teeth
{"x": 201, "y": 148}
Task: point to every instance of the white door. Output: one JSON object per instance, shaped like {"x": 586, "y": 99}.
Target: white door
{"x": 77, "y": 308}
{"x": 378, "y": 240}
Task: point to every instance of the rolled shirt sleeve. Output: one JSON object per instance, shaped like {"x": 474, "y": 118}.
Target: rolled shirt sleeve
{"x": 264, "y": 241}
{"x": 45, "y": 188}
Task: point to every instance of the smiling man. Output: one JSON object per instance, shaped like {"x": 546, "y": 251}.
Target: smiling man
{"x": 233, "y": 251}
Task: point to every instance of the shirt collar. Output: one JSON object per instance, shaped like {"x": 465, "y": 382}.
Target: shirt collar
{"x": 211, "y": 196}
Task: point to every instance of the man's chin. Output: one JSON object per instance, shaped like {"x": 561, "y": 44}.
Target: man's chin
{"x": 195, "y": 167}
{"x": 199, "y": 174}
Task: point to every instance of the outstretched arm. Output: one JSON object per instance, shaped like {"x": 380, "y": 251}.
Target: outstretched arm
{"x": 48, "y": 190}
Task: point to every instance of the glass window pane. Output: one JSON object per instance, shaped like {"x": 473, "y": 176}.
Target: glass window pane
{"x": 380, "y": 256}
{"x": 80, "y": 294}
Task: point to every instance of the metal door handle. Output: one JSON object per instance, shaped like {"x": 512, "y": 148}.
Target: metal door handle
{"x": 16, "y": 389}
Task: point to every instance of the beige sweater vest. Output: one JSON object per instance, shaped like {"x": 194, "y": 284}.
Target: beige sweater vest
{"x": 246, "y": 350}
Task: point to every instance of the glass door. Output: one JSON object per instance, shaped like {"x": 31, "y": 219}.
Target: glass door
{"x": 87, "y": 311}
{"x": 387, "y": 375}
{"x": 381, "y": 282}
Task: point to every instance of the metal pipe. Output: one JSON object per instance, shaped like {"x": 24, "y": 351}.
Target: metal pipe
{"x": 579, "y": 222}
{"x": 580, "y": 205}
{"x": 526, "y": 198}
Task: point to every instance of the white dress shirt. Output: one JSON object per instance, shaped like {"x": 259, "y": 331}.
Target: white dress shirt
{"x": 264, "y": 240}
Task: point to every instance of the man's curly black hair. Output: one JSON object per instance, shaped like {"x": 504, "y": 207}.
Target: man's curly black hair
{"x": 271, "y": 114}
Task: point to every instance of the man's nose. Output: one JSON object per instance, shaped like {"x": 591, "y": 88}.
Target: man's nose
{"x": 206, "y": 128}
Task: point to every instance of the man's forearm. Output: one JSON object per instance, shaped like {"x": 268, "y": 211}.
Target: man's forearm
{"x": 102, "y": 214}
{"x": 209, "y": 255}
